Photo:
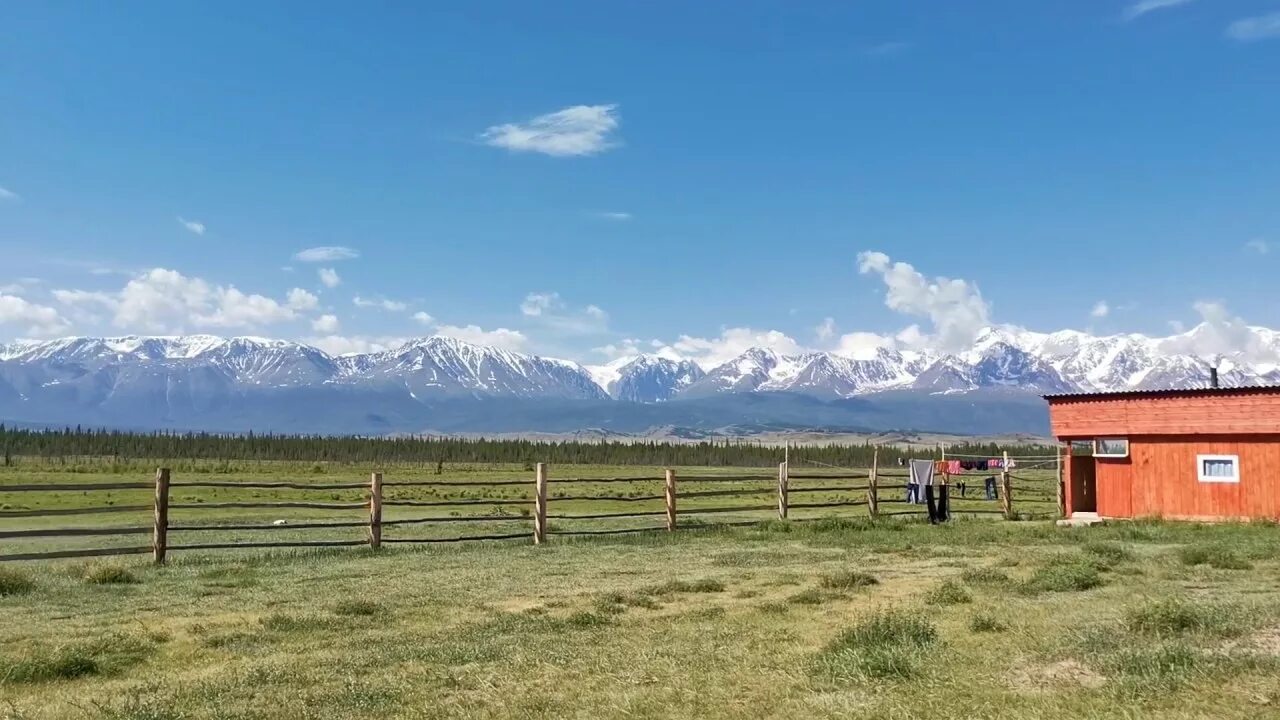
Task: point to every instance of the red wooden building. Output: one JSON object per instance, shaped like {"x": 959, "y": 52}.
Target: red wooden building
{"x": 1207, "y": 454}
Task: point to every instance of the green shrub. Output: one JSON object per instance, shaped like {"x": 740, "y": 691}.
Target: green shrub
{"x": 110, "y": 575}
{"x": 1215, "y": 556}
{"x": 984, "y": 576}
{"x": 984, "y": 622}
{"x": 15, "y": 582}
{"x": 887, "y": 644}
{"x": 1064, "y": 578}
{"x": 811, "y": 596}
{"x": 706, "y": 585}
{"x": 103, "y": 656}
{"x": 948, "y": 593}
{"x": 848, "y": 580}
{"x": 1175, "y": 616}
{"x": 1108, "y": 552}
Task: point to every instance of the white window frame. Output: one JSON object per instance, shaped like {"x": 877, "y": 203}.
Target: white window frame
{"x": 1235, "y": 463}
{"x": 1124, "y": 454}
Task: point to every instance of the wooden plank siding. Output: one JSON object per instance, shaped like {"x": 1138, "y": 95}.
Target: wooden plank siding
{"x": 1205, "y": 414}
{"x": 1159, "y": 479}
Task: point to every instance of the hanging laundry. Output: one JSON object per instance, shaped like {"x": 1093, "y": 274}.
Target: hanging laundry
{"x": 990, "y": 488}
{"x": 968, "y": 465}
{"x": 995, "y": 464}
{"x": 944, "y": 510}
{"x": 940, "y": 466}
{"x": 931, "y": 504}
{"x": 982, "y": 465}
{"x": 921, "y": 478}
{"x": 953, "y": 467}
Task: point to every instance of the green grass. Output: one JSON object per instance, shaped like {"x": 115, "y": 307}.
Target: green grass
{"x": 15, "y": 582}
{"x": 714, "y": 623}
{"x": 848, "y": 580}
{"x": 948, "y": 593}
{"x": 884, "y": 645}
{"x": 109, "y": 575}
{"x": 1215, "y": 556}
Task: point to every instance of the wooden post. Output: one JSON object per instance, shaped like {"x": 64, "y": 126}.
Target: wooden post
{"x": 1062, "y": 506}
{"x": 671, "y": 500}
{"x": 540, "y": 505}
{"x": 1006, "y": 488}
{"x": 160, "y": 531}
{"x": 375, "y": 510}
{"x": 782, "y": 491}
{"x": 873, "y": 499}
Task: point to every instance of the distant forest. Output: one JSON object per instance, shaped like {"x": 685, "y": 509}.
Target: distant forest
{"x": 73, "y": 443}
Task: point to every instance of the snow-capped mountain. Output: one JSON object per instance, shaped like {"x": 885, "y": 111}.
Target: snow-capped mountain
{"x": 646, "y": 378}
{"x": 206, "y": 381}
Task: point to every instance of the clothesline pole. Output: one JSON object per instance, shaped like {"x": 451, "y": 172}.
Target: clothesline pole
{"x": 873, "y": 502}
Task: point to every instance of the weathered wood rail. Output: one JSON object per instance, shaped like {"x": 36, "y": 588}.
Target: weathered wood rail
{"x": 659, "y": 500}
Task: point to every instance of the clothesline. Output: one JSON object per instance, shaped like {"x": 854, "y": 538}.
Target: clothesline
{"x": 1011, "y": 457}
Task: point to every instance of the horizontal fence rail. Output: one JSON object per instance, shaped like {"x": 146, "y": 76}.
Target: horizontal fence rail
{"x": 583, "y": 506}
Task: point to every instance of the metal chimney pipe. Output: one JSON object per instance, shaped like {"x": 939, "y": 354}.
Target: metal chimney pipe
{"x": 1213, "y": 377}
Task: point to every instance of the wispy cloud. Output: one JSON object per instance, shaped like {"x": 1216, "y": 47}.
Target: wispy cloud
{"x": 573, "y": 131}
{"x": 1100, "y": 309}
{"x": 1262, "y": 27}
{"x": 194, "y": 226}
{"x": 381, "y": 303}
{"x": 954, "y": 307}
{"x": 1138, "y": 9}
{"x": 619, "y": 216}
{"x": 423, "y": 318}
{"x": 6, "y": 194}
{"x": 328, "y": 253}
{"x": 1258, "y": 246}
{"x": 326, "y": 324}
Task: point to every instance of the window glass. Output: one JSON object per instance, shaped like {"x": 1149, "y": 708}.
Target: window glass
{"x": 1111, "y": 447}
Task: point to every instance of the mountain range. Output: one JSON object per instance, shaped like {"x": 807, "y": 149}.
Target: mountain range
{"x": 446, "y": 385}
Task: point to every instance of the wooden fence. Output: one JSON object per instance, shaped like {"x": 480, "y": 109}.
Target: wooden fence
{"x": 735, "y": 500}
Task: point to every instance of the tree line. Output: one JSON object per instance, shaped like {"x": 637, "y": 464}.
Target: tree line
{"x": 52, "y": 445}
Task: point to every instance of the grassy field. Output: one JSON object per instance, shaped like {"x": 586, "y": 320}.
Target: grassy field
{"x": 838, "y": 618}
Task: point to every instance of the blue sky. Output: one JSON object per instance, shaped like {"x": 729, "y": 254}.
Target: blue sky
{"x": 566, "y": 176}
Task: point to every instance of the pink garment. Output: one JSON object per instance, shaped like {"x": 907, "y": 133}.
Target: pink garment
{"x": 953, "y": 467}
{"x": 994, "y": 463}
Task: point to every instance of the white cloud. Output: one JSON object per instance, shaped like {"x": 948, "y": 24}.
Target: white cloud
{"x": 1263, "y": 27}
{"x": 81, "y": 298}
{"x": 423, "y": 318}
{"x": 382, "y": 303}
{"x": 1177, "y": 327}
{"x": 19, "y": 286}
{"x": 329, "y": 277}
{"x": 38, "y": 320}
{"x": 1258, "y": 246}
{"x": 326, "y": 254}
{"x": 551, "y": 312}
{"x": 1138, "y": 9}
{"x": 301, "y": 300}
{"x": 535, "y": 304}
{"x": 6, "y": 194}
{"x": 194, "y": 226}
{"x": 624, "y": 348}
{"x": 826, "y": 329}
{"x": 161, "y": 300}
{"x": 1100, "y": 309}
{"x": 619, "y": 216}
{"x": 325, "y": 324}
{"x": 340, "y": 345}
{"x": 732, "y": 342}
{"x": 954, "y": 307}
{"x": 1219, "y": 334}
{"x": 577, "y": 130}
{"x": 498, "y": 337}
{"x": 862, "y": 345}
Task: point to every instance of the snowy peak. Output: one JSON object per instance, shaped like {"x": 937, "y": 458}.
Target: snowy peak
{"x": 649, "y": 378}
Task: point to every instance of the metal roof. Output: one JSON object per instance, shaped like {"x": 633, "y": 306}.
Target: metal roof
{"x": 1170, "y": 392}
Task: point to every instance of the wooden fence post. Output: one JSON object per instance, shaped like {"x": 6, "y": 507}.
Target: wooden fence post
{"x": 375, "y": 510}
{"x": 671, "y": 500}
{"x": 873, "y": 499}
{"x": 160, "y": 531}
{"x": 1062, "y": 505}
{"x": 783, "y": 482}
{"x": 540, "y": 505}
{"x": 1006, "y": 488}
